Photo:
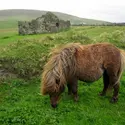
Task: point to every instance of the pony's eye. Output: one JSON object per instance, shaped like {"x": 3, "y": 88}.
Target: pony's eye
{"x": 57, "y": 81}
{"x": 62, "y": 88}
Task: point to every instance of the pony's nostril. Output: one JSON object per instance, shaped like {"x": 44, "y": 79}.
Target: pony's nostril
{"x": 54, "y": 105}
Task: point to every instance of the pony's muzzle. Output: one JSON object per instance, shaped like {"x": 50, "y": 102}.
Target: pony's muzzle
{"x": 54, "y": 105}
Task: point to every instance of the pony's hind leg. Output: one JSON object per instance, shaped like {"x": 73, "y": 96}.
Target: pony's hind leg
{"x": 106, "y": 84}
{"x": 115, "y": 93}
{"x": 114, "y": 83}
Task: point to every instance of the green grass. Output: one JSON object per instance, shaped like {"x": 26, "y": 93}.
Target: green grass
{"x": 21, "y": 103}
{"x": 20, "y": 100}
{"x": 8, "y": 24}
{"x": 8, "y": 35}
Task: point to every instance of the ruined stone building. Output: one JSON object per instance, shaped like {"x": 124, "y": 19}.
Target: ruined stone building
{"x": 44, "y": 24}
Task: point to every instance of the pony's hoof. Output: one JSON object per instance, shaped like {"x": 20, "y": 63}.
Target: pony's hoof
{"x": 114, "y": 100}
{"x": 76, "y": 99}
{"x": 54, "y": 105}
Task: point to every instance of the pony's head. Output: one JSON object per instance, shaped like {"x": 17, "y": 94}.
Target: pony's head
{"x": 52, "y": 87}
{"x": 53, "y": 81}
{"x": 55, "y": 97}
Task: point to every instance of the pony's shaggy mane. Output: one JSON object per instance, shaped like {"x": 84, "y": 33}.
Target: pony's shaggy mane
{"x": 59, "y": 66}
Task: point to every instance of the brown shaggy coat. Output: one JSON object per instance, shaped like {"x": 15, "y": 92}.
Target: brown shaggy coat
{"x": 83, "y": 62}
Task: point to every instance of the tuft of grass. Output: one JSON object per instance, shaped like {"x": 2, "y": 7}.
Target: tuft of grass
{"x": 117, "y": 38}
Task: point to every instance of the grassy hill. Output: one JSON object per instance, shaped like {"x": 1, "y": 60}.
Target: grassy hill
{"x": 11, "y": 17}
{"x": 20, "y": 100}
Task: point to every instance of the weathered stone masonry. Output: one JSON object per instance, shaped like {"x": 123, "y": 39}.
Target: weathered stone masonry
{"x": 44, "y": 24}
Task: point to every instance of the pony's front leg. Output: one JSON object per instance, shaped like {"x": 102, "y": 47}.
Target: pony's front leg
{"x": 74, "y": 87}
{"x": 69, "y": 89}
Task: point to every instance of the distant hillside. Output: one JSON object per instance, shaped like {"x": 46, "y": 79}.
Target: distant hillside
{"x": 20, "y": 14}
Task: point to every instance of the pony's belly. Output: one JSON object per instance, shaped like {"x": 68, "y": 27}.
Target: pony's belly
{"x": 90, "y": 76}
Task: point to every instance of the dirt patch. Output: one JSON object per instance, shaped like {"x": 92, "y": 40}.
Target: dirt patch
{"x": 4, "y": 74}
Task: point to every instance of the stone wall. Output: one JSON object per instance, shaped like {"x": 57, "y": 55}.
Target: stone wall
{"x": 44, "y": 24}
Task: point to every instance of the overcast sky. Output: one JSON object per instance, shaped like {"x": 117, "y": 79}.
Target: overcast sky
{"x": 108, "y": 10}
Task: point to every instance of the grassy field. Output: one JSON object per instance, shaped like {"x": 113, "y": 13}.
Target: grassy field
{"x": 20, "y": 100}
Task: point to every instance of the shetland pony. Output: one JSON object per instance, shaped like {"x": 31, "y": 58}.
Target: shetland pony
{"x": 87, "y": 63}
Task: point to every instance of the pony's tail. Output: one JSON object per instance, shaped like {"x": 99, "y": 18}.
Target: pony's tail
{"x": 122, "y": 67}
{"x": 122, "y": 60}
